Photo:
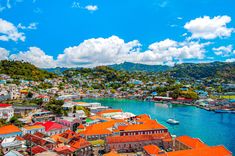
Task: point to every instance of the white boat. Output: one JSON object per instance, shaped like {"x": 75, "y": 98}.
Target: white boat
{"x": 172, "y": 122}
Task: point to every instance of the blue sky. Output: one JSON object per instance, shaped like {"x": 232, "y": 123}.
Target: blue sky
{"x": 70, "y": 33}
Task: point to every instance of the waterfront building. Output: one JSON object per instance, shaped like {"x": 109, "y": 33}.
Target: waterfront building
{"x": 136, "y": 144}
{"x": 99, "y": 130}
{"x": 185, "y": 146}
{"x": 9, "y": 131}
{"x": 6, "y": 111}
{"x": 140, "y": 125}
{"x": 186, "y": 142}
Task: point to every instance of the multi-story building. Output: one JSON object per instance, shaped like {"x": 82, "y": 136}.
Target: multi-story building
{"x": 134, "y": 144}
{"x": 6, "y": 111}
{"x": 33, "y": 129}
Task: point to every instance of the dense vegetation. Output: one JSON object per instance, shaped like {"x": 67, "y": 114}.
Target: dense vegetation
{"x": 205, "y": 70}
{"x": 128, "y": 66}
{"x": 23, "y": 70}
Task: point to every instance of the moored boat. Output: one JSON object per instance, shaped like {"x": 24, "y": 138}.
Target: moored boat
{"x": 172, "y": 122}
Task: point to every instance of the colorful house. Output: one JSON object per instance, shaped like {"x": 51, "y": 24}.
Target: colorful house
{"x": 9, "y": 131}
{"x": 33, "y": 129}
{"x": 52, "y": 128}
{"x": 6, "y": 111}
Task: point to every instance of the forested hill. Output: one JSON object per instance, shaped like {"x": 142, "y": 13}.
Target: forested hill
{"x": 23, "y": 70}
{"x": 223, "y": 70}
{"x": 132, "y": 67}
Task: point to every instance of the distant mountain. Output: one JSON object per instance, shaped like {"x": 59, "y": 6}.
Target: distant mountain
{"x": 57, "y": 70}
{"x": 224, "y": 70}
{"x": 128, "y": 66}
{"x": 23, "y": 70}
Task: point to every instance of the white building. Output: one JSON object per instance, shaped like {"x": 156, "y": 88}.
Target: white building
{"x": 6, "y": 111}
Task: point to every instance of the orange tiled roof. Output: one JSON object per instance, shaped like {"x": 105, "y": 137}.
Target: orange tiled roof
{"x": 33, "y": 127}
{"x": 191, "y": 142}
{"x": 148, "y": 125}
{"x": 81, "y": 126}
{"x": 121, "y": 139}
{"x": 152, "y": 149}
{"x": 204, "y": 151}
{"x": 100, "y": 128}
{"x": 78, "y": 143}
{"x": 9, "y": 129}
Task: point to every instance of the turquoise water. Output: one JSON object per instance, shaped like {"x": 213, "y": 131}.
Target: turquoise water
{"x": 210, "y": 127}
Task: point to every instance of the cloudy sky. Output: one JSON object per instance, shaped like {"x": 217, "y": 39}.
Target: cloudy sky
{"x": 74, "y": 33}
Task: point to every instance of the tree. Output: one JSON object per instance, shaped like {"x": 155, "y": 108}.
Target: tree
{"x": 29, "y": 95}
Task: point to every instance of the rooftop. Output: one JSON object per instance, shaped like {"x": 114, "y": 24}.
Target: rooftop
{"x": 9, "y": 129}
{"x": 49, "y": 125}
{"x": 3, "y": 105}
{"x": 191, "y": 142}
{"x": 152, "y": 149}
{"x": 33, "y": 127}
{"x": 122, "y": 139}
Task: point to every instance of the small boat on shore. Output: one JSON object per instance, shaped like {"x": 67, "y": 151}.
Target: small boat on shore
{"x": 172, "y": 122}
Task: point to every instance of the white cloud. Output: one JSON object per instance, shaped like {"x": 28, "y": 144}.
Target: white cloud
{"x": 4, "y": 54}
{"x": 9, "y": 32}
{"x": 223, "y": 50}
{"x": 35, "y": 56}
{"x": 31, "y": 26}
{"x": 97, "y": 51}
{"x": 209, "y": 28}
{"x": 105, "y": 51}
{"x": 230, "y": 60}
{"x": 91, "y": 7}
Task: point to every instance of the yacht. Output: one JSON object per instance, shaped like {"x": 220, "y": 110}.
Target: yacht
{"x": 172, "y": 121}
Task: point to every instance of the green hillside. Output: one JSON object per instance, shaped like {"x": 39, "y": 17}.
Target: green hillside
{"x": 23, "y": 70}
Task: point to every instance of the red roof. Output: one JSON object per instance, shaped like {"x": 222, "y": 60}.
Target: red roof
{"x": 38, "y": 149}
{"x": 49, "y": 125}
{"x": 4, "y": 105}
